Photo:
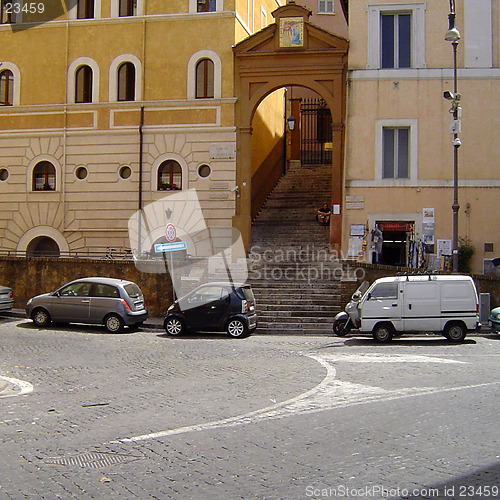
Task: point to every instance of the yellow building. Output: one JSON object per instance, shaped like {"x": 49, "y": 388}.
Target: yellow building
{"x": 107, "y": 105}
{"x": 399, "y": 166}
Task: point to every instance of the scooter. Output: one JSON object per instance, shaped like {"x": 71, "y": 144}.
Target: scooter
{"x": 349, "y": 318}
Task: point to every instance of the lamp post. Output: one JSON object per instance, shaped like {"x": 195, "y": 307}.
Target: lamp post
{"x": 453, "y": 36}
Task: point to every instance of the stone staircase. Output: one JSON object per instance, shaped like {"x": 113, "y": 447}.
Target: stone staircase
{"x": 294, "y": 276}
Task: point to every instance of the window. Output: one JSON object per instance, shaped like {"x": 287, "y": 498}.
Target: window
{"x": 384, "y": 291}
{"x": 127, "y": 8}
{"x": 85, "y": 9}
{"x": 206, "y": 5}
{"x": 83, "y": 84}
{"x": 102, "y": 290}
{"x": 204, "y": 79}
{"x": 395, "y": 38}
{"x": 44, "y": 177}
{"x": 325, "y": 7}
{"x": 80, "y": 289}
{"x": 395, "y": 153}
{"x": 6, "y": 11}
{"x": 126, "y": 82}
{"x": 169, "y": 176}
{"x": 6, "y": 88}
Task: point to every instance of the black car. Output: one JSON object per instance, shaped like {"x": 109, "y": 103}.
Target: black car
{"x": 213, "y": 307}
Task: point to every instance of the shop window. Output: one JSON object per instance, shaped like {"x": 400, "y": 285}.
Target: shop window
{"x": 206, "y": 5}
{"x": 85, "y": 9}
{"x": 169, "y": 176}
{"x": 83, "y": 84}
{"x": 395, "y": 153}
{"x": 205, "y": 79}
{"x": 6, "y": 88}
{"x": 126, "y": 82}
{"x": 44, "y": 177}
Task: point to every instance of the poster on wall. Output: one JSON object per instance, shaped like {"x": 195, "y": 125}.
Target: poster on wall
{"x": 428, "y": 226}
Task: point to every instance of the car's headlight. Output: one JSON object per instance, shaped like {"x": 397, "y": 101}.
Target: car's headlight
{"x": 170, "y": 308}
{"x": 29, "y": 302}
{"x": 497, "y": 316}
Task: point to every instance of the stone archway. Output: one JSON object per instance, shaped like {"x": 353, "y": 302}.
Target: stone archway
{"x": 273, "y": 59}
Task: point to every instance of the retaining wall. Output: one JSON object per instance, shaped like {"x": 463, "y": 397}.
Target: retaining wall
{"x": 29, "y": 277}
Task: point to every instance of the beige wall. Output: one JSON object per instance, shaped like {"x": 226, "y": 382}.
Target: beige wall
{"x": 415, "y": 96}
{"x": 103, "y": 136}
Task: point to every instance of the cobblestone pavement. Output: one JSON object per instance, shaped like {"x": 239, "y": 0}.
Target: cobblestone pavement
{"x": 89, "y": 415}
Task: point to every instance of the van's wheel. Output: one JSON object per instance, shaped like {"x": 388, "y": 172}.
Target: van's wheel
{"x": 41, "y": 317}
{"x": 114, "y": 324}
{"x": 236, "y": 328}
{"x": 383, "y": 332}
{"x": 339, "y": 328}
{"x": 455, "y": 332}
{"x": 174, "y": 326}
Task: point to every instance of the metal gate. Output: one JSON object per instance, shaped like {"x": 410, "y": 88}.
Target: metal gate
{"x": 315, "y": 132}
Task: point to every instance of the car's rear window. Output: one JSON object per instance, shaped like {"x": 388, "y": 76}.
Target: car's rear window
{"x": 133, "y": 290}
{"x": 248, "y": 293}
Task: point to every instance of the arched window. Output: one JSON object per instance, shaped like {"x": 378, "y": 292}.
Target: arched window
{"x": 6, "y": 12}
{"x": 43, "y": 246}
{"x": 169, "y": 176}
{"x": 85, "y": 9}
{"x": 6, "y": 88}
{"x": 126, "y": 82}
{"x": 44, "y": 177}
{"x": 83, "y": 84}
{"x": 127, "y": 8}
{"x": 204, "y": 79}
{"x": 206, "y": 5}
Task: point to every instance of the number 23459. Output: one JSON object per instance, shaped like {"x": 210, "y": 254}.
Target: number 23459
{"x": 27, "y": 8}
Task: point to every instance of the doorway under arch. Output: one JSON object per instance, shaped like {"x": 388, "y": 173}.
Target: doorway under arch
{"x": 269, "y": 60}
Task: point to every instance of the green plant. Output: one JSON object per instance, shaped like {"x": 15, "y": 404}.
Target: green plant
{"x": 465, "y": 253}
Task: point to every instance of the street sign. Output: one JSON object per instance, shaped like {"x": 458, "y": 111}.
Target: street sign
{"x": 170, "y": 247}
{"x": 171, "y": 232}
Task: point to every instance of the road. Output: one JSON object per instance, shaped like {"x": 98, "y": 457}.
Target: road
{"x": 89, "y": 415}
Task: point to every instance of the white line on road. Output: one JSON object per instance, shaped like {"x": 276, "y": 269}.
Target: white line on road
{"x": 327, "y": 395}
{"x": 13, "y": 387}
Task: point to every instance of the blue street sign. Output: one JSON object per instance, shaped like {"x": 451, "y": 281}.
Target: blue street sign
{"x": 170, "y": 247}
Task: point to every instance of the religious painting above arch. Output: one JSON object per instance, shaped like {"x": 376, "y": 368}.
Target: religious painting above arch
{"x": 291, "y": 32}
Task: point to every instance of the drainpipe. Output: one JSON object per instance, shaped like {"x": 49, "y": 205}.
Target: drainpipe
{"x": 141, "y": 148}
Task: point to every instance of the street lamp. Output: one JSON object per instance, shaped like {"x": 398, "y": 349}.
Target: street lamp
{"x": 291, "y": 123}
{"x": 453, "y": 36}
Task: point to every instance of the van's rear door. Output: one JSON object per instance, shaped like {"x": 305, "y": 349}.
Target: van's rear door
{"x": 422, "y": 306}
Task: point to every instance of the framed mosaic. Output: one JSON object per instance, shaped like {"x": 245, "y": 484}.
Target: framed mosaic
{"x": 292, "y": 32}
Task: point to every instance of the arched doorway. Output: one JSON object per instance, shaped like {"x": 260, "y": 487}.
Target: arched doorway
{"x": 290, "y": 52}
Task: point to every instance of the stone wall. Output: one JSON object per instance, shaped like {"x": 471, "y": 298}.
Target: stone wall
{"x": 371, "y": 272}
{"x": 30, "y": 277}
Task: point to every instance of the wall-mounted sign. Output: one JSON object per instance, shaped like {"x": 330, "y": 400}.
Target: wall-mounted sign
{"x": 291, "y": 32}
{"x": 222, "y": 151}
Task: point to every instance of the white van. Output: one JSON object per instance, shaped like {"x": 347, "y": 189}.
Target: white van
{"x": 447, "y": 304}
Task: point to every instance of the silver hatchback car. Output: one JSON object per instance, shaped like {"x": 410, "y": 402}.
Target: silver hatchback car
{"x": 110, "y": 302}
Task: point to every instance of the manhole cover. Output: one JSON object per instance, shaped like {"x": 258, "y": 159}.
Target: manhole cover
{"x": 92, "y": 459}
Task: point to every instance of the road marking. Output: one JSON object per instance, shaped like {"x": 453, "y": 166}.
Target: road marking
{"x": 327, "y": 395}
{"x": 10, "y": 387}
